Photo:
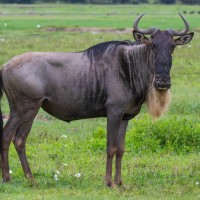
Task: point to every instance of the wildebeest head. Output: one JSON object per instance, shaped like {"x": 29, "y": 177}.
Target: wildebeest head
{"x": 162, "y": 45}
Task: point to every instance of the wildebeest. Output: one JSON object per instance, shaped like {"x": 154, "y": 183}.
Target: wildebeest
{"x": 111, "y": 79}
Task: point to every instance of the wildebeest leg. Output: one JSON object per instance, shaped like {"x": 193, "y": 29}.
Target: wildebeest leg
{"x": 114, "y": 118}
{"x": 120, "y": 150}
{"x": 20, "y": 119}
{"x": 19, "y": 141}
{"x": 26, "y": 116}
{"x": 8, "y": 132}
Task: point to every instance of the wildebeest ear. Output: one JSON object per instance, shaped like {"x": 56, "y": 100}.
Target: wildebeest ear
{"x": 140, "y": 37}
{"x": 184, "y": 39}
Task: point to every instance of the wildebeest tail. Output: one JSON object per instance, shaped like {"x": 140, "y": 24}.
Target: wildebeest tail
{"x": 1, "y": 116}
{"x": 1, "y": 84}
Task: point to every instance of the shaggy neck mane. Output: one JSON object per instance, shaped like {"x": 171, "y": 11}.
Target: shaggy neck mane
{"x": 139, "y": 68}
{"x": 98, "y": 50}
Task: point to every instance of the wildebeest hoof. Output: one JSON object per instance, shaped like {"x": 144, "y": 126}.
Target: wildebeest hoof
{"x": 6, "y": 179}
{"x": 110, "y": 184}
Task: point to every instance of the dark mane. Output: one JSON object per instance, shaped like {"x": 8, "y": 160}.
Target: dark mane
{"x": 98, "y": 50}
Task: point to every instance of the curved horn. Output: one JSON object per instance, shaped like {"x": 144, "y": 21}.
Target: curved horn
{"x": 180, "y": 33}
{"x": 147, "y": 31}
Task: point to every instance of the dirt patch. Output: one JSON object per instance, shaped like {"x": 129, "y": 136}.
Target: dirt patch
{"x": 89, "y": 29}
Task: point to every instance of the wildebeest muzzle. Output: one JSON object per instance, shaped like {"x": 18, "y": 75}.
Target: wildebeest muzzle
{"x": 162, "y": 82}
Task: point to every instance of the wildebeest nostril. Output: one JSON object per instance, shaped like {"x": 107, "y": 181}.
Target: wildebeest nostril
{"x": 162, "y": 83}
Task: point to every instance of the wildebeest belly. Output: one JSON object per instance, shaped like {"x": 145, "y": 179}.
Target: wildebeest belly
{"x": 74, "y": 110}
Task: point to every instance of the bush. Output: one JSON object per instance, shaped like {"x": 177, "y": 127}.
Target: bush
{"x": 168, "y": 1}
{"x": 190, "y": 1}
{"x": 174, "y": 134}
{"x": 138, "y": 1}
{"x": 18, "y": 1}
{"x": 171, "y": 135}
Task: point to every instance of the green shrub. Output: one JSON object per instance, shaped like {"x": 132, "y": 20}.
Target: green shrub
{"x": 170, "y": 135}
{"x": 98, "y": 140}
{"x": 168, "y": 1}
{"x": 190, "y": 1}
{"x": 174, "y": 134}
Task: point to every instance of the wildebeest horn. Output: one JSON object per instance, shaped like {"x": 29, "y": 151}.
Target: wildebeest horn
{"x": 180, "y": 33}
{"x": 147, "y": 31}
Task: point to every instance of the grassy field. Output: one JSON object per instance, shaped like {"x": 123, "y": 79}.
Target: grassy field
{"x": 28, "y": 17}
{"x": 68, "y": 160}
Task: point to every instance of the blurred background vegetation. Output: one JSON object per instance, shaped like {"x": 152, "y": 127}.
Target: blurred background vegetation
{"x": 191, "y": 2}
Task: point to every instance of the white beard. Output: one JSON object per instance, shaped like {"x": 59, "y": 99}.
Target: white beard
{"x": 158, "y": 101}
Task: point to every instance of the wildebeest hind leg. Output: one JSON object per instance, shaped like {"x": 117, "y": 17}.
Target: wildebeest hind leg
{"x": 19, "y": 139}
{"x": 8, "y": 132}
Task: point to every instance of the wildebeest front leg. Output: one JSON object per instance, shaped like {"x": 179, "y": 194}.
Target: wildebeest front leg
{"x": 114, "y": 118}
{"x": 120, "y": 150}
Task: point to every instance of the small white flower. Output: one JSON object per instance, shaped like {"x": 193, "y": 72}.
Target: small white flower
{"x": 55, "y": 176}
{"x": 5, "y": 24}
{"x": 65, "y": 164}
{"x": 189, "y": 46}
{"x": 2, "y": 39}
{"x": 197, "y": 183}
{"x": 64, "y": 136}
{"x": 10, "y": 171}
{"x": 134, "y": 158}
{"x": 38, "y": 26}
{"x": 78, "y": 175}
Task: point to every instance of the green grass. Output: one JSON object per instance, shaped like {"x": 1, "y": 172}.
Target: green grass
{"x": 160, "y": 175}
{"x": 154, "y": 175}
{"x": 27, "y": 17}
{"x": 161, "y": 159}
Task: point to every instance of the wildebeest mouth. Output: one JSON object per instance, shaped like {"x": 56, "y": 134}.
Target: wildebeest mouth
{"x": 162, "y": 85}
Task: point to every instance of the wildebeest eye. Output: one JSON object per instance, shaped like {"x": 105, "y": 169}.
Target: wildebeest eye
{"x": 173, "y": 46}
{"x": 153, "y": 45}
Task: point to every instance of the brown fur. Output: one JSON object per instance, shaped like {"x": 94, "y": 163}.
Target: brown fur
{"x": 157, "y": 101}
